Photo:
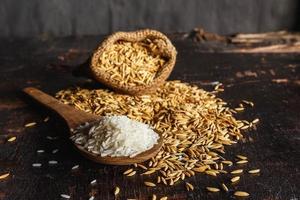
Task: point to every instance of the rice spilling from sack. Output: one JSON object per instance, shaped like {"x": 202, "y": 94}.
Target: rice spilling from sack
{"x": 195, "y": 125}
{"x": 116, "y": 136}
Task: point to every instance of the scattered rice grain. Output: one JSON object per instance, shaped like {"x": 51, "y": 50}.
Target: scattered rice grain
{"x": 75, "y": 167}
{"x": 238, "y": 171}
{"x": 65, "y": 196}
{"x": 224, "y": 187}
{"x": 128, "y": 171}
{"x": 254, "y": 171}
{"x": 242, "y": 162}
{"x": 150, "y": 184}
{"x": 131, "y": 173}
{"x": 235, "y": 179}
{"x": 153, "y": 197}
{"x": 241, "y": 194}
{"x": 93, "y": 182}
{"x": 117, "y": 191}
{"x": 52, "y": 162}
{"x": 212, "y": 189}
{"x": 36, "y": 164}
{"x": 40, "y": 151}
{"x": 189, "y": 186}
{"x": 12, "y": 139}
{"x": 241, "y": 157}
{"x": 3, "y": 176}
{"x": 30, "y": 124}
{"x": 46, "y": 119}
{"x": 92, "y": 198}
{"x": 179, "y": 112}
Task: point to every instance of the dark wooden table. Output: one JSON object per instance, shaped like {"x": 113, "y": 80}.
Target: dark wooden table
{"x": 271, "y": 81}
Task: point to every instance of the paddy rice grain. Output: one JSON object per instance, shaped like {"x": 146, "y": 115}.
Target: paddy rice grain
{"x": 242, "y": 162}
{"x": 241, "y": 194}
{"x": 12, "y": 139}
{"x": 238, "y": 171}
{"x": 150, "y": 184}
{"x": 116, "y": 191}
{"x": 241, "y": 157}
{"x": 189, "y": 186}
{"x": 235, "y": 179}
{"x": 224, "y": 187}
{"x": 131, "y": 173}
{"x": 196, "y": 126}
{"x": 30, "y": 124}
{"x": 212, "y": 189}
{"x": 132, "y": 63}
{"x": 3, "y": 176}
{"x": 254, "y": 171}
{"x": 128, "y": 171}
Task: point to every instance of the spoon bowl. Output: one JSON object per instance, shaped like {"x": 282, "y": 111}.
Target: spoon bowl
{"x": 74, "y": 118}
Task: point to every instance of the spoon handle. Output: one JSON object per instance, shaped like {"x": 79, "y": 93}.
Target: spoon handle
{"x": 72, "y": 116}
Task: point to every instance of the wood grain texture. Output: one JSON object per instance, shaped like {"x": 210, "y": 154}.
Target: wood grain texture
{"x": 273, "y": 147}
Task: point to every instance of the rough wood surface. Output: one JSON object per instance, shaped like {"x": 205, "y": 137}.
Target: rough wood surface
{"x": 271, "y": 81}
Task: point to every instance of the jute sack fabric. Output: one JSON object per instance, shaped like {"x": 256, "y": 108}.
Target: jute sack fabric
{"x": 166, "y": 49}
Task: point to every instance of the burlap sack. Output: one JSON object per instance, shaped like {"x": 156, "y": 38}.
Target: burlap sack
{"x": 166, "y": 49}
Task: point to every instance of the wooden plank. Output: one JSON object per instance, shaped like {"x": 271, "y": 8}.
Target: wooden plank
{"x": 273, "y": 147}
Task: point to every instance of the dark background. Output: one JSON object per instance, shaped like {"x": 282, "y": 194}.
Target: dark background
{"x": 21, "y": 18}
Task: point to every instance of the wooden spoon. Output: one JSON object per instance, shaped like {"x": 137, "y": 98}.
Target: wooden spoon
{"x": 74, "y": 118}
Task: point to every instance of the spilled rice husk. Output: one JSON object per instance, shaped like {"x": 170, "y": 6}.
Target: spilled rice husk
{"x": 131, "y": 173}
{"x": 12, "y": 139}
{"x": 196, "y": 126}
{"x": 3, "y": 176}
{"x": 241, "y": 194}
{"x": 153, "y": 197}
{"x": 30, "y": 124}
{"x": 128, "y": 171}
{"x": 224, "y": 187}
{"x": 235, "y": 179}
{"x": 150, "y": 184}
{"x": 227, "y": 162}
{"x": 116, "y": 191}
{"x": 241, "y": 157}
{"x": 189, "y": 187}
{"x": 212, "y": 189}
{"x": 237, "y": 171}
{"x": 254, "y": 171}
{"x": 242, "y": 162}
